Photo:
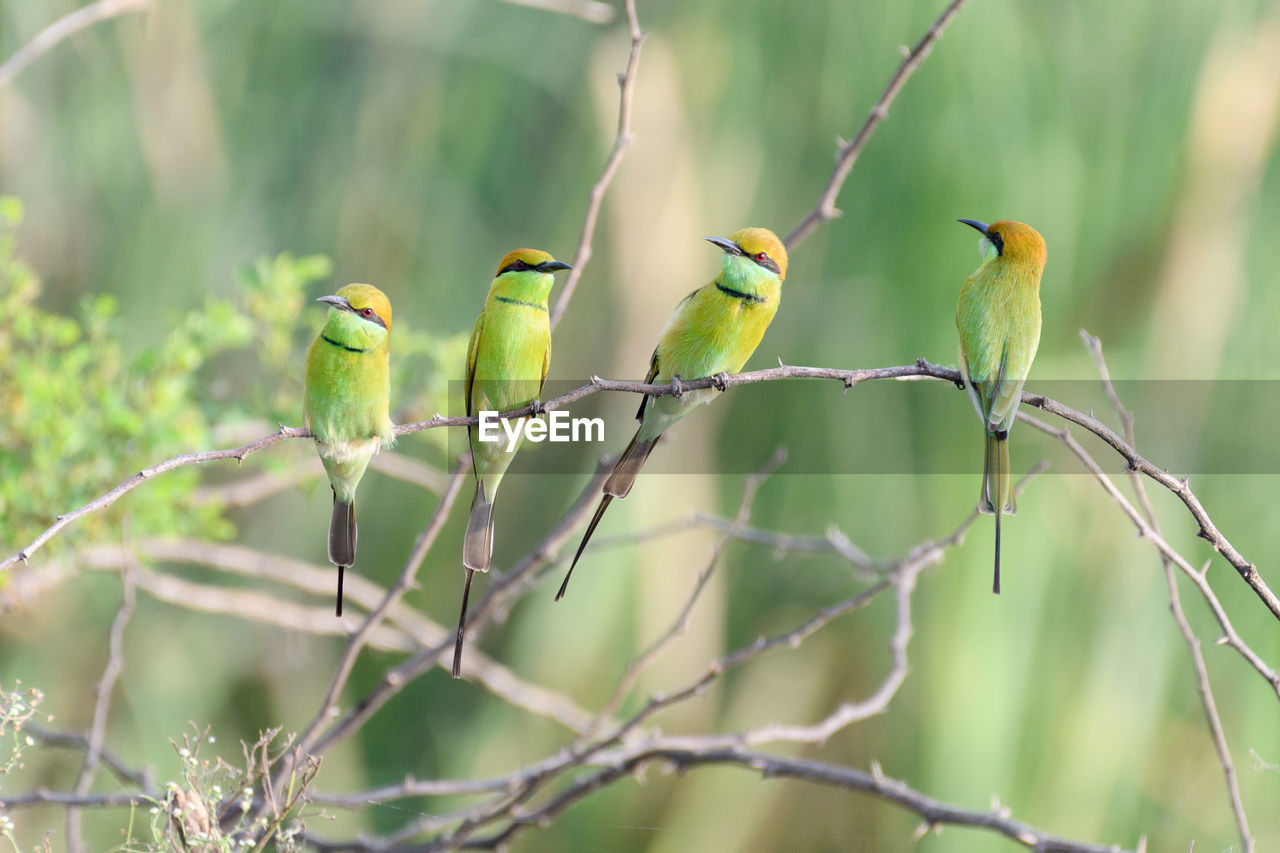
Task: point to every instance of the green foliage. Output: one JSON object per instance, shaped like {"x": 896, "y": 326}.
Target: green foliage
{"x": 84, "y": 412}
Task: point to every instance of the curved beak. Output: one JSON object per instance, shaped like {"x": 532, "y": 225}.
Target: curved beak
{"x": 981, "y": 227}
{"x": 337, "y": 302}
{"x": 727, "y": 246}
{"x": 552, "y": 266}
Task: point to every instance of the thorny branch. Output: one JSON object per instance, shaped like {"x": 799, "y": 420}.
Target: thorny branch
{"x": 1210, "y": 705}
{"x": 102, "y": 703}
{"x": 627, "y": 747}
{"x": 63, "y": 29}
{"x": 921, "y": 369}
{"x": 826, "y": 209}
{"x": 626, "y": 88}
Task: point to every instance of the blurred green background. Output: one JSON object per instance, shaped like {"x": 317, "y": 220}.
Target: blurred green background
{"x": 160, "y": 157}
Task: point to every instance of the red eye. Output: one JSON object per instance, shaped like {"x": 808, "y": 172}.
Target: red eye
{"x": 760, "y": 256}
{"x": 368, "y": 312}
{"x": 520, "y": 265}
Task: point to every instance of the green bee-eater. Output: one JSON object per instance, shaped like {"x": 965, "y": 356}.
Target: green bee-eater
{"x": 344, "y": 403}
{"x": 507, "y": 363}
{"x": 998, "y": 317}
{"x": 713, "y": 331}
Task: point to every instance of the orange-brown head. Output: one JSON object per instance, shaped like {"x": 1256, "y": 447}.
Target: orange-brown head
{"x": 365, "y": 301}
{"x": 759, "y": 245}
{"x": 1012, "y": 242}
{"x": 525, "y": 260}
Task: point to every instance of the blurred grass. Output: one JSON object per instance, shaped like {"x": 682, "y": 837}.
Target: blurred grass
{"x": 415, "y": 142}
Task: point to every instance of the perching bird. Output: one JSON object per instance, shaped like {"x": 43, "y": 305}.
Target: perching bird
{"x": 345, "y": 401}
{"x": 998, "y": 317}
{"x": 712, "y": 332}
{"x": 507, "y": 362}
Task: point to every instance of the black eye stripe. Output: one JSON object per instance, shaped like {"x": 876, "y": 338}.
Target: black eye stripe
{"x": 767, "y": 263}
{"x": 997, "y": 241}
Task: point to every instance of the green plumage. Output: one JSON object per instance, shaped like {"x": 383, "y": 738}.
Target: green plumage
{"x": 345, "y": 404}
{"x": 998, "y": 320}
{"x": 507, "y": 362}
{"x": 713, "y": 330}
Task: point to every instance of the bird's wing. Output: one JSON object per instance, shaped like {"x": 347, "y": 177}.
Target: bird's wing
{"x": 654, "y": 366}
{"x": 546, "y": 366}
{"x": 649, "y": 377}
{"x": 473, "y": 349}
{"x": 1006, "y": 394}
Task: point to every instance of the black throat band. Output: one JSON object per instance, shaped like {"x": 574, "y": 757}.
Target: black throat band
{"x": 509, "y": 301}
{"x": 339, "y": 345}
{"x": 738, "y": 294}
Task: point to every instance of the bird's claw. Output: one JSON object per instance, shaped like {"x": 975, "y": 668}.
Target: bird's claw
{"x": 720, "y": 381}
{"x": 535, "y": 406}
{"x": 677, "y": 387}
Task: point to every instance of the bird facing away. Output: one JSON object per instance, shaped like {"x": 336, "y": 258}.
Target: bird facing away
{"x": 998, "y": 317}
{"x": 712, "y": 332}
{"x": 507, "y": 362}
{"x": 345, "y": 401}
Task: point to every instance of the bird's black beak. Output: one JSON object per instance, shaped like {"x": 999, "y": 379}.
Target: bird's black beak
{"x": 337, "y": 302}
{"x": 727, "y": 246}
{"x": 975, "y": 224}
{"x": 552, "y": 266}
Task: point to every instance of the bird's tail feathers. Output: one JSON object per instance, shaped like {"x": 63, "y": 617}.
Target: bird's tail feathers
{"x": 997, "y": 477}
{"x": 462, "y": 627}
{"x": 629, "y": 464}
{"x": 618, "y": 485}
{"x": 477, "y": 545}
{"x": 605, "y": 500}
{"x": 997, "y": 490}
{"x": 342, "y": 539}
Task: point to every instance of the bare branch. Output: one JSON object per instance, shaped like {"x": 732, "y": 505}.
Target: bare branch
{"x": 934, "y": 812}
{"x": 397, "y": 590}
{"x": 1230, "y": 638}
{"x": 623, "y": 140}
{"x": 1210, "y": 705}
{"x": 142, "y": 778}
{"x": 236, "y": 453}
{"x": 681, "y": 623}
{"x": 98, "y": 728}
{"x": 62, "y": 29}
{"x": 826, "y": 209}
{"x": 591, "y": 11}
{"x": 41, "y": 796}
{"x": 921, "y": 369}
{"x": 394, "y": 680}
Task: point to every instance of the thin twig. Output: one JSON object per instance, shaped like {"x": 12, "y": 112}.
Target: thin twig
{"x": 142, "y": 777}
{"x": 396, "y": 679}
{"x": 628, "y": 762}
{"x": 680, "y": 624}
{"x": 102, "y": 703}
{"x": 397, "y": 590}
{"x": 622, "y": 141}
{"x": 826, "y": 208}
{"x": 1146, "y": 531}
{"x": 921, "y": 369}
{"x": 236, "y": 453}
{"x": 62, "y": 29}
{"x": 591, "y": 11}
{"x": 42, "y": 796}
{"x": 1207, "y": 701}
